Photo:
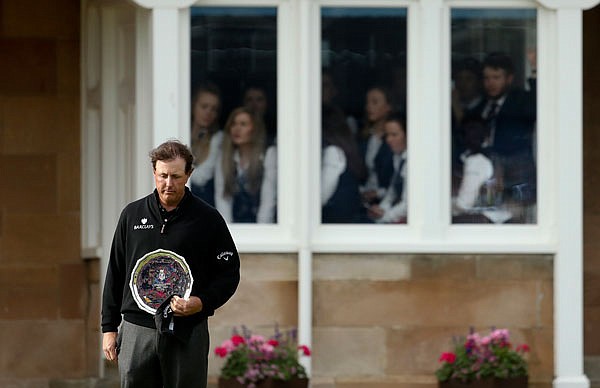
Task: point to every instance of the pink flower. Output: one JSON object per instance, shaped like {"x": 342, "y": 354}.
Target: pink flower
{"x": 228, "y": 345}
{"x": 221, "y": 351}
{"x": 500, "y": 337}
{"x": 273, "y": 342}
{"x": 305, "y": 350}
{"x": 266, "y": 348}
{"x": 256, "y": 339}
{"x": 448, "y": 357}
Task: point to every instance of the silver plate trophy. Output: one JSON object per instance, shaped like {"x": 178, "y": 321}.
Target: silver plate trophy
{"x": 158, "y": 275}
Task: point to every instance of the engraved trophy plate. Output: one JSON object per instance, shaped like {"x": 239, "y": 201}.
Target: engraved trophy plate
{"x": 158, "y": 275}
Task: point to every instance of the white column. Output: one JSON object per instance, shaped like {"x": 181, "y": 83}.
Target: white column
{"x": 165, "y": 74}
{"x": 168, "y": 85}
{"x": 568, "y": 266}
{"x": 425, "y": 132}
{"x": 306, "y": 141}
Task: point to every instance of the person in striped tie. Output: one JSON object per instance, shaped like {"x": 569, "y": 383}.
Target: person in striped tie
{"x": 393, "y": 206}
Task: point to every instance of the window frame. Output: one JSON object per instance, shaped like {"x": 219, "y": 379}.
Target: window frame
{"x": 429, "y": 227}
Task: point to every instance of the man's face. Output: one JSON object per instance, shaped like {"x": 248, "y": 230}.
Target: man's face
{"x": 170, "y": 179}
{"x": 496, "y": 82}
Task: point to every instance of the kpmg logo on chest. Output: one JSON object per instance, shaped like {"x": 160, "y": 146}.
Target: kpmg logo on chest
{"x": 144, "y": 225}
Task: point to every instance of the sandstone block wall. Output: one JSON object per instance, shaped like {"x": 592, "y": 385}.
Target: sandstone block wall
{"x": 383, "y": 320}
{"x": 44, "y": 301}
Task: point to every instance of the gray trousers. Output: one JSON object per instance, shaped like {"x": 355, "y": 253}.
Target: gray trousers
{"x": 150, "y": 360}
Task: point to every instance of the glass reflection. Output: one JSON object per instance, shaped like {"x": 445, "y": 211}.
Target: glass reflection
{"x": 233, "y": 124}
{"x": 363, "y": 55}
{"x": 493, "y": 114}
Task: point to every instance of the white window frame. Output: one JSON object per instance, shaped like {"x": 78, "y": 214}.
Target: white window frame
{"x": 283, "y": 235}
{"x": 429, "y": 228}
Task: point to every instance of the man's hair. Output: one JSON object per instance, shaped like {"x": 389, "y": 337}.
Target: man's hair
{"x": 170, "y": 150}
{"x": 499, "y": 60}
{"x": 468, "y": 64}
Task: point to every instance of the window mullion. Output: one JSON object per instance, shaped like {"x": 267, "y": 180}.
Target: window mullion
{"x": 425, "y": 119}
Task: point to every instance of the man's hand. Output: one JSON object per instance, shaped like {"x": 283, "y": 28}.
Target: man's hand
{"x": 183, "y": 307}
{"x": 109, "y": 345}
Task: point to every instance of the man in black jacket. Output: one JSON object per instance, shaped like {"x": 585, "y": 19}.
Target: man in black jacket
{"x": 510, "y": 114}
{"x": 172, "y": 262}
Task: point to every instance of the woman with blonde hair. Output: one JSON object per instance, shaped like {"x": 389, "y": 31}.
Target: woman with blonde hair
{"x": 246, "y": 174}
{"x": 206, "y": 140}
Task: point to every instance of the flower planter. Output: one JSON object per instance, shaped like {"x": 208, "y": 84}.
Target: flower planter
{"x": 513, "y": 382}
{"x": 485, "y": 383}
{"x": 266, "y": 383}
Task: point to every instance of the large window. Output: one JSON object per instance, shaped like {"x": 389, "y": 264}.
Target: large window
{"x": 494, "y": 116}
{"x": 234, "y": 106}
{"x": 303, "y": 113}
{"x": 363, "y": 126}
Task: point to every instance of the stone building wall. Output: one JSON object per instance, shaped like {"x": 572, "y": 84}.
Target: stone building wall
{"x": 43, "y": 281}
{"x": 383, "y": 320}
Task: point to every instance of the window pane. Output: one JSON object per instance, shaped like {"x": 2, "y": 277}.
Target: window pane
{"x": 493, "y": 114}
{"x": 363, "y": 56}
{"x": 234, "y": 107}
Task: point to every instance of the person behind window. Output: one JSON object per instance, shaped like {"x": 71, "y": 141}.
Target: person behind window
{"x": 398, "y": 86}
{"x": 256, "y": 100}
{"x": 342, "y": 169}
{"x": 476, "y": 190}
{"x": 393, "y": 207}
{"x": 246, "y": 173}
{"x": 467, "y": 94}
{"x": 206, "y": 140}
{"x": 329, "y": 97}
{"x": 376, "y": 153}
{"x": 467, "y": 91}
{"x": 510, "y": 113}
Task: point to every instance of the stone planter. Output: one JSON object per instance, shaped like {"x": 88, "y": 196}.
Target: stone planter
{"x": 513, "y": 382}
{"x": 267, "y": 383}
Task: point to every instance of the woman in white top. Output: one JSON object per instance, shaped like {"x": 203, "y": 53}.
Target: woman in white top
{"x": 246, "y": 173}
{"x": 206, "y": 140}
{"x": 342, "y": 169}
{"x": 377, "y": 155}
{"x": 393, "y": 207}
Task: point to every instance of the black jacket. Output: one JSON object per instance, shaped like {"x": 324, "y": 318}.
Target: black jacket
{"x": 515, "y": 122}
{"x": 194, "y": 231}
